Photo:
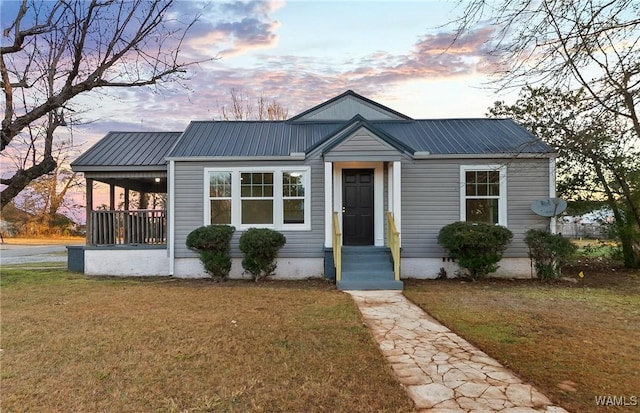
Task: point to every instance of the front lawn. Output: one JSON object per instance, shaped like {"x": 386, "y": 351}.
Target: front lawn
{"x": 574, "y": 342}
{"x": 75, "y": 344}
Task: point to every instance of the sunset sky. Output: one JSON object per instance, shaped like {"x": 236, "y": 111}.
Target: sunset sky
{"x": 300, "y": 53}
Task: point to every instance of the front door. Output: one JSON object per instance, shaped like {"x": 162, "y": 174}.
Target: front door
{"x": 357, "y": 206}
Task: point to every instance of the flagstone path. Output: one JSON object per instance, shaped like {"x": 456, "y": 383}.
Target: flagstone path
{"x": 442, "y": 372}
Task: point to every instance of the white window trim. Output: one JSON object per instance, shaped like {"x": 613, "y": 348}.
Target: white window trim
{"x": 236, "y": 199}
{"x": 502, "y": 199}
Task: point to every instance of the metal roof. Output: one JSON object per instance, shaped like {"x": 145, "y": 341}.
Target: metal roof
{"x": 128, "y": 149}
{"x": 281, "y": 138}
{"x": 138, "y": 151}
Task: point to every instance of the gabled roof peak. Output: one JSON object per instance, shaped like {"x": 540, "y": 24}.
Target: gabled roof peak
{"x": 347, "y": 105}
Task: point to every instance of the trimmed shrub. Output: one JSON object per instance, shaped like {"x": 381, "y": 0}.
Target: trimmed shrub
{"x": 475, "y": 246}
{"x": 213, "y": 243}
{"x": 260, "y": 247}
{"x": 548, "y": 252}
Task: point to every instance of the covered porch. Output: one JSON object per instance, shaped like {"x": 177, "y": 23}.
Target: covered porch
{"x": 126, "y": 222}
{"x": 123, "y": 222}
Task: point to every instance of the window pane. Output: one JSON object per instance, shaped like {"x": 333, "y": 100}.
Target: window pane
{"x": 256, "y": 184}
{"x": 220, "y": 184}
{"x": 470, "y": 180}
{"x": 220, "y": 211}
{"x": 257, "y": 211}
{"x": 293, "y": 211}
{"x": 293, "y": 184}
{"x": 494, "y": 189}
{"x": 482, "y": 210}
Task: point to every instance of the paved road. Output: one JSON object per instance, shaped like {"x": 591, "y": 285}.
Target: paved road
{"x": 22, "y": 254}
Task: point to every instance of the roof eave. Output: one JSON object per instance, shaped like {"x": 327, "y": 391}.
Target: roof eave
{"x": 294, "y": 156}
{"x": 112, "y": 168}
{"x": 536, "y": 155}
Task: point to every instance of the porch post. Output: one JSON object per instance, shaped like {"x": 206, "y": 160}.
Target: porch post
{"x": 170, "y": 216}
{"x": 112, "y": 197}
{"x": 126, "y": 199}
{"x": 397, "y": 196}
{"x": 328, "y": 204}
{"x": 89, "y": 208}
{"x": 143, "y": 200}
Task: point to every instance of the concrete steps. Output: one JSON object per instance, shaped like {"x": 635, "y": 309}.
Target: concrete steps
{"x": 367, "y": 268}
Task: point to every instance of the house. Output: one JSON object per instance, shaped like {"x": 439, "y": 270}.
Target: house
{"x": 357, "y": 188}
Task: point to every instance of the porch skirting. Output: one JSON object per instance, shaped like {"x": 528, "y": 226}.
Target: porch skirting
{"x": 429, "y": 268}
{"x": 126, "y": 262}
{"x": 288, "y": 268}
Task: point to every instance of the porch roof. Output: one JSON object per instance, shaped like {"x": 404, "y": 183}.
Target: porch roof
{"x": 127, "y": 151}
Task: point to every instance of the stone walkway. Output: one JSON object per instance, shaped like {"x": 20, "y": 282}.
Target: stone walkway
{"x": 441, "y": 371}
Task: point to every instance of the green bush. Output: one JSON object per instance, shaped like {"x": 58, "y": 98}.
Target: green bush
{"x": 213, "y": 243}
{"x": 260, "y": 247}
{"x": 548, "y": 252}
{"x": 475, "y": 246}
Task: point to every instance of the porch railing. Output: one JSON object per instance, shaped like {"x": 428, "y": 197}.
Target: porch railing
{"x": 136, "y": 227}
{"x": 393, "y": 242}
{"x": 337, "y": 246}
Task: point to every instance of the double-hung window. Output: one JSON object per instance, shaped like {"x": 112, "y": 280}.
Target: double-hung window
{"x": 220, "y": 197}
{"x": 256, "y": 194}
{"x": 293, "y": 186}
{"x": 271, "y": 197}
{"x": 483, "y": 194}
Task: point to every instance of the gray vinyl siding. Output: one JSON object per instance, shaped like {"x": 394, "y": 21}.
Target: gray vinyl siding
{"x": 431, "y": 200}
{"x": 189, "y": 209}
{"x": 527, "y": 182}
{"x": 364, "y": 146}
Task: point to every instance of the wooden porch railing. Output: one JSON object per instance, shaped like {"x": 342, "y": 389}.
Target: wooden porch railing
{"x": 337, "y": 247}
{"x": 393, "y": 242}
{"x": 136, "y": 227}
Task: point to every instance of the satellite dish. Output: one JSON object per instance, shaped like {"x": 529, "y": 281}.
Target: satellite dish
{"x": 549, "y": 207}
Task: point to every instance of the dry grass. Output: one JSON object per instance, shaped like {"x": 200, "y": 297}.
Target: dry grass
{"x": 573, "y": 341}
{"x": 44, "y": 241}
{"x": 75, "y": 344}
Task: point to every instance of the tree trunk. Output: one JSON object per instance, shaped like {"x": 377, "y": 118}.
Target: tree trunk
{"x": 23, "y": 177}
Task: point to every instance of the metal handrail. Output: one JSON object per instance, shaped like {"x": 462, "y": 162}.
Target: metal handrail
{"x": 337, "y": 246}
{"x": 393, "y": 242}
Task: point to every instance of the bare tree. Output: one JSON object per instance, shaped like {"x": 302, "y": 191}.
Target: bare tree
{"x": 57, "y": 51}
{"x": 242, "y": 108}
{"x": 570, "y": 44}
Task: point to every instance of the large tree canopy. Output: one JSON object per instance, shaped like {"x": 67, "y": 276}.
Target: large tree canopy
{"x": 54, "y": 52}
{"x": 596, "y": 159}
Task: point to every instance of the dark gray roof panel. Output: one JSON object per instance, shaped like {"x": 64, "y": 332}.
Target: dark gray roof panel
{"x": 466, "y": 136}
{"x": 278, "y": 138}
{"x": 128, "y": 149}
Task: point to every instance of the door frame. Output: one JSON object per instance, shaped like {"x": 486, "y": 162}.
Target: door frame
{"x": 378, "y": 194}
{"x": 357, "y": 238}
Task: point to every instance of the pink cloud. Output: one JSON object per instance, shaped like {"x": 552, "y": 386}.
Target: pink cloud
{"x": 235, "y": 28}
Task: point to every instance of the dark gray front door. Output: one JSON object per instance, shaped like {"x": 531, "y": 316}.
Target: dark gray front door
{"x": 357, "y": 201}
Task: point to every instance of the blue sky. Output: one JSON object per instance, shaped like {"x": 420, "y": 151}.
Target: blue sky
{"x": 300, "y": 53}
